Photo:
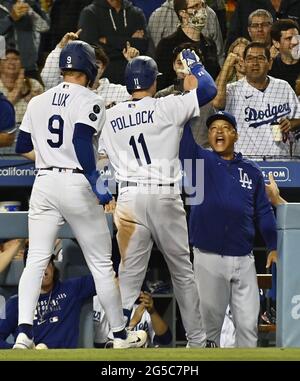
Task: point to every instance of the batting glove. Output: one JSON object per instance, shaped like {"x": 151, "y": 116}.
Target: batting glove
{"x": 101, "y": 191}
{"x": 189, "y": 59}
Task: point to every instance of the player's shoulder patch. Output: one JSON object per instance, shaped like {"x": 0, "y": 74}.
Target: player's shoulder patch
{"x": 93, "y": 117}
{"x": 96, "y": 109}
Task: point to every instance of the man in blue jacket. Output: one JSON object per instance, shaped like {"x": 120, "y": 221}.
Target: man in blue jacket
{"x": 57, "y": 314}
{"x": 222, "y": 230}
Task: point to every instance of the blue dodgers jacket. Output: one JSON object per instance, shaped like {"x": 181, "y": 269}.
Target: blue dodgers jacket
{"x": 234, "y": 201}
{"x": 56, "y": 320}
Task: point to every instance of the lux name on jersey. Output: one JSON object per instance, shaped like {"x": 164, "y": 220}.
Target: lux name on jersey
{"x": 60, "y": 99}
{"x": 132, "y": 120}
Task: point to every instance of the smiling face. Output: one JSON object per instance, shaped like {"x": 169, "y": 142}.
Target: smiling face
{"x": 287, "y": 42}
{"x": 221, "y": 138}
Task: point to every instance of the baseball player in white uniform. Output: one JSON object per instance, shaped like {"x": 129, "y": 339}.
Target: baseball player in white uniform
{"x": 141, "y": 138}
{"x": 259, "y": 101}
{"x": 57, "y": 130}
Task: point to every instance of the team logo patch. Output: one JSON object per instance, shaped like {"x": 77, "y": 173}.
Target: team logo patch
{"x": 93, "y": 117}
{"x": 96, "y": 109}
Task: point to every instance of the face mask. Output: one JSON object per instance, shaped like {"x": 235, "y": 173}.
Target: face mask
{"x": 198, "y": 19}
{"x": 296, "y": 49}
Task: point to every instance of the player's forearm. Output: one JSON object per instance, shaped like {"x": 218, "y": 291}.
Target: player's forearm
{"x": 29, "y": 155}
{"x": 206, "y": 87}
{"x": 160, "y": 327}
{"x": 219, "y": 102}
{"x": 83, "y": 145}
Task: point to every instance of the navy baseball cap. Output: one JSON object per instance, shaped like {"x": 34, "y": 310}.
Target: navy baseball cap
{"x": 222, "y": 115}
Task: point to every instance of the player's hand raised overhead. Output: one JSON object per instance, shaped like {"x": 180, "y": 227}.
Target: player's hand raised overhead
{"x": 189, "y": 59}
{"x": 197, "y": 77}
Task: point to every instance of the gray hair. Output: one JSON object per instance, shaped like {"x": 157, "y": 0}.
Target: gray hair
{"x": 260, "y": 12}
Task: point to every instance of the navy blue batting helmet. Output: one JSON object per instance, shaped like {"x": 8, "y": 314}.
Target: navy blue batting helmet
{"x": 140, "y": 73}
{"x": 79, "y": 56}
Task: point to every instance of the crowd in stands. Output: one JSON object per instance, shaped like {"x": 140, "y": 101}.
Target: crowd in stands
{"x": 35, "y": 31}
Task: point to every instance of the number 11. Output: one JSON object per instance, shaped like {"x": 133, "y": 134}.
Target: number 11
{"x": 142, "y": 142}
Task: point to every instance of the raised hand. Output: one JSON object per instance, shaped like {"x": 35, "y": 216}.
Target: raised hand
{"x": 189, "y": 59}
{"x": 130, "y": 52}
{"x": 70, "y": 36}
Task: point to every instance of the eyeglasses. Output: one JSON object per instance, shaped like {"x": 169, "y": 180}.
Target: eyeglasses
{"x": 262, "y": 25}
{"x": 260, "y": 59}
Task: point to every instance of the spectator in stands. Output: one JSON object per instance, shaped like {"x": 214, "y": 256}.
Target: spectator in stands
{"x": 144, "y": 316}
{"x": 110, "y": 92}
{"x": 56, "y": 321}
{"x": 19, "y": 22}
{"x": 259, "y": 29}
{"x": 14, "y": 84}
{"x": 278, "y": 8}
{"x": 113, "y": 23}
{"x": 259, "y": 26}
{"x": 7, "y": 122}
{"x": 285, "y": 66}
{"x": 233, "y": 68}
{"x": 164, "y": 22}
{"x": 198, "y": 123}
{"x": 9, "y": 250}
{"x": 193, "y": 17}
{"x": 258, "y": 101}
{"x": 222, "y": 228}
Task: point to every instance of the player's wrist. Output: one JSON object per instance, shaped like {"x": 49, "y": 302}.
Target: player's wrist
{"x": 93, "y": 177}
{"x": 197, "y": 68}
{"x": 151, "y": 311}
{"x": 99, "y": 188}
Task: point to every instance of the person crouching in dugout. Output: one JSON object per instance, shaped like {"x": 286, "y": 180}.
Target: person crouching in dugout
{"x": 57, "y": 314}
